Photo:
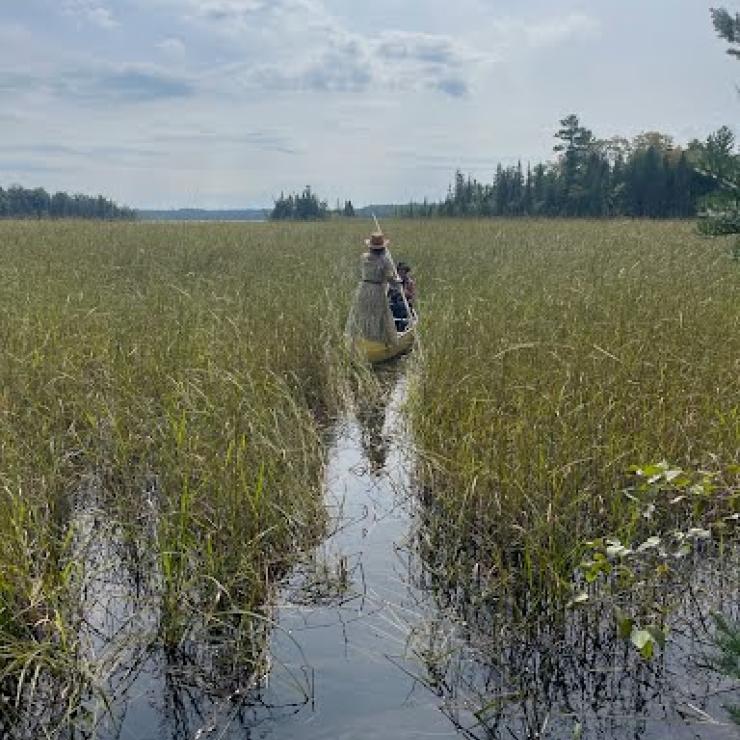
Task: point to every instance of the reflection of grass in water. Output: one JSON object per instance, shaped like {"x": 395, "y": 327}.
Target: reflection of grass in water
{"x": 727, "y": 659}
{"x": 322, "y": 579}
{"x": 556, "y": 671}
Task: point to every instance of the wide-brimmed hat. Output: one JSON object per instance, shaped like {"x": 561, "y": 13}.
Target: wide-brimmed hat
{"x": 377, "y": 240}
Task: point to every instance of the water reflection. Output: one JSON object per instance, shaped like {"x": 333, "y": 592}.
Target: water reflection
{"x": 371, "y": 410}
{"x": 531, "y": 670}
{"x": 368, "y": 638}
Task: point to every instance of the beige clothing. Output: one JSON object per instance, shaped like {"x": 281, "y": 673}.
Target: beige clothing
{"x": 371, "y": 316}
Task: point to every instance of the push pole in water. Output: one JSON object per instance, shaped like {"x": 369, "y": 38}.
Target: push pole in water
{"x": 402, "y": 290}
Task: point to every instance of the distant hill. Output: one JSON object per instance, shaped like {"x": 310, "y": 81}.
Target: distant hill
{"x": 202, "y": 214}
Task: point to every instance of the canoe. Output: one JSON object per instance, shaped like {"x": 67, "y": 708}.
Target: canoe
{"x": 381, "y": 352}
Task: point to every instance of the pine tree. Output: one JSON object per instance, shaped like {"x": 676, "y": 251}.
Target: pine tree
{"x": 718, "y": 156}
{"x": 727, "y": 28}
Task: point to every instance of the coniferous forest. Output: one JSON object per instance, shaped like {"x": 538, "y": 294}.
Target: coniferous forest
{"x": 646, "y": 177}
{"x": 19, "y": 202}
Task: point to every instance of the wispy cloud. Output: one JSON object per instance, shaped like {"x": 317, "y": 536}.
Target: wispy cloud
{"x": 135, "y": 83}
{"x": 404, "y": 46}
{"x": 315, "y": 51}
{"x": 47, "y": 152}
{"x": 395, "y": 60}
{"x": 93, "y": 11}
{"x": 516, "y": 33}
{"x": 125, "y": 83}
{"x": 454, "y": 87}
{"x": 172, "y": 48}
{"x": 240, "y": 15}
{"x": 341, "y": 66}
{"x": 23, "y": 167}
{"x": 258, "y": 139}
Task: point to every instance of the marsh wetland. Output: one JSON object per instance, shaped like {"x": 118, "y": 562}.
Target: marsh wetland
{"x": 216, "y": 522}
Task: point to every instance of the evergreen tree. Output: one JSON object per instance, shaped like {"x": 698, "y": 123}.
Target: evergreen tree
{"x": 718, "y": 157}
{"x": 575, "y": 144}
{"x": 649, "y": 176}
{"x": 19, "y": 202}
{"x": 727, "y": 28}
{"x": 303, "y": 206}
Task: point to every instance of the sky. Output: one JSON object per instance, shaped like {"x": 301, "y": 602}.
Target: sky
{"x": 226, "y": 103}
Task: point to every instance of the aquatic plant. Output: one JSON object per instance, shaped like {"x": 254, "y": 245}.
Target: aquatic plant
{"x": 555, "y": 357}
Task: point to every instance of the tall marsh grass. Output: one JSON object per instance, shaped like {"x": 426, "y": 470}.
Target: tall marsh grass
{"x": 181, "y": 372}
{"x": 556, "y": 357}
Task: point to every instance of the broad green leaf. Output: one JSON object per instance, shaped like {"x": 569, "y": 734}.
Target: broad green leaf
{"x": 644, "y": 641}
{"x": 625, "y": 624}
{"x": 647, "y": 650}
{"x": 640, "y": 638}
{"x": 657, "y": 634}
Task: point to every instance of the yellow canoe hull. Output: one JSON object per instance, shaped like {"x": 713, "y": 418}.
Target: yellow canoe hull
{"x": 379, "y": 352}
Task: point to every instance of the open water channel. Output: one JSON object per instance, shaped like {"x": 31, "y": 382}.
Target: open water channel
{"x": 363, "y": 646}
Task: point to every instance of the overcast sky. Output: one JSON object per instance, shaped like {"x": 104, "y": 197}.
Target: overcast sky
{"x": 224, "y": 103}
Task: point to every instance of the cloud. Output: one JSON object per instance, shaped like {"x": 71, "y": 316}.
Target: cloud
{"x": 268, "y": 141}
{"x": 309, "y": 49}
{"x": 237, "y": 15}
{"x": 93, "y": 11}
{"x": 96, "y": 153}
{"x": 453, "y": 87}
{"x": 343, "y": 65}
{"x": 134, "y": 83}
{"x": 393, "y": 60}
{"x": 126, "y": 83}
{"x": 517, "y": 33}
{"x": 172, "y": 48}
{"x": 402, "y": 46}
{"x": 14, "y": 167}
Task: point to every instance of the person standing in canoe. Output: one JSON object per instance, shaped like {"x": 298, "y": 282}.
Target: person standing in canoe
{"x": 371, "y": 317}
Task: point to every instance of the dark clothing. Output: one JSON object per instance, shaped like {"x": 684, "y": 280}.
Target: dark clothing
{"x": 398, "y": 309}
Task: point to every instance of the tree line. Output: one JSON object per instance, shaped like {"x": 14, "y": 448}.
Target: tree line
{"x": 303, "y": 206}
{"x": 648, "y": 176}
{"x": 19, "y": 202}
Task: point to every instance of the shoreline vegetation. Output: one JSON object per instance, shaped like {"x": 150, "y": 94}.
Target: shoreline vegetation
{"x": 18, "y": 202}
{"x": 574, "y": 401}
{"x": 648, "y": 176}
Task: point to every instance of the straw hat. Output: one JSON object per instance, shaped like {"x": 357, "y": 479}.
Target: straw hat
{"x": 377, "y": 240}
